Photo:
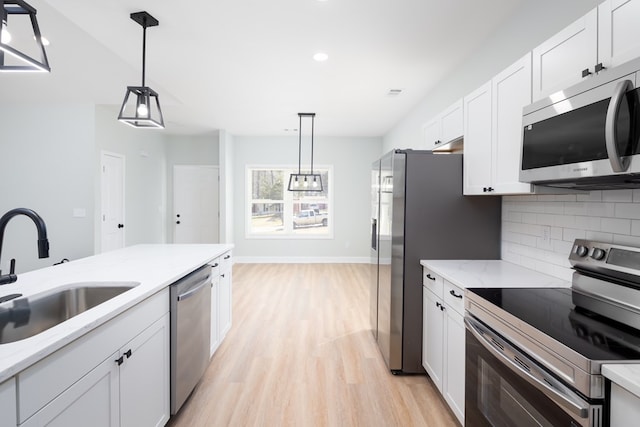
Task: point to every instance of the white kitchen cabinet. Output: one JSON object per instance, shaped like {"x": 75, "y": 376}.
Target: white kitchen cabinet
{"x": 443, "y": 335}
{"x": 625, "y": 407}
{"x": 560, "y": 61}
{"x": 477, "y": 141}
{"x": 445, "y": 127}
{"x": 618, "y": 31}
{"x": 117, "y": 374}
{"x": 8, "y": 402}
{"x": 603, "y": 38}
{"x": 214, "y": 340}
{"x": 225, "y": 295}
{"x": 144, "y": 377}
{"x": 432, "y": 336}
{"x": 493, "y": 132}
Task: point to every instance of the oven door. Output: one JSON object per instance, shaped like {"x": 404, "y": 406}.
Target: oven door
{"x": 504, "y": 387}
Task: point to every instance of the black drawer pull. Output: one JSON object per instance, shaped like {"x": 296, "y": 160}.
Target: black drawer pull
{"x": 452, "y": 292}
{"x": 120, "y": 360}
{"x": 227, "y": 257}
{"x": 430, "y": 277}
{"x": 586, "y": 72}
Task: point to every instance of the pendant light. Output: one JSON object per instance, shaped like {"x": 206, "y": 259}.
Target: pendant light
{"x": 305, "y": 181}
{"x": 141, "y": 106}
{"x": 14, "y": 11}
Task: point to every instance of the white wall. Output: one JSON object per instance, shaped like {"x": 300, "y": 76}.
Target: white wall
{"x": 145, "y": 177}
{"x": 46, "y": 153}
{"x": 351, "y": 159}
{"x": 187, "y": 150}
{"x": 532, "y": 23}
{"x": 227, "y": 187}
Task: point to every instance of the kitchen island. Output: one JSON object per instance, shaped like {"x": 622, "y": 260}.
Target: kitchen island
{"x": 127, "y": 316}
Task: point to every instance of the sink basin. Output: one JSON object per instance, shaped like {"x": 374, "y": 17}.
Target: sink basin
{"x": 25, "y": 317}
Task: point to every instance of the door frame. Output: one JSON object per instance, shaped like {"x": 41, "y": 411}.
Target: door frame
{"x": 104, "y": 153}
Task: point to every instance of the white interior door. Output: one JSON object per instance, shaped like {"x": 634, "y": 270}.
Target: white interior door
{"x": 195, "y": 204}
{"x": 112, "y": 216}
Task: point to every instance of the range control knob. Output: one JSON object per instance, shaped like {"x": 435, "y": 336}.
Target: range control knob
{"x": 598, "y": 254}
{"x": 582, "y": 251}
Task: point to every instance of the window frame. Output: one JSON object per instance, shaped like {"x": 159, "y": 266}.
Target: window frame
{"x": 288, "y": 203}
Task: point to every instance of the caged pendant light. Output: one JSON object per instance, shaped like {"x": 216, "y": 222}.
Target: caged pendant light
{"x": 305, "y": 181}
{"x": 141, "y": 106}
{"x": 16, "y": 47}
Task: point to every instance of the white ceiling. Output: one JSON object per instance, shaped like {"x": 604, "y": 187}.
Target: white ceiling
{"x": 246, "y": 65}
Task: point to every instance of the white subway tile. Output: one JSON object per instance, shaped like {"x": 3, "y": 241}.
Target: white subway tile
{"x": 547, "y": 198}
{"x": 600, "y": 209}
{"x": 636, "y": 196}
{"x": 600, "y": 237}
{"x": 562, "y": 247}
{"x": 617, "y": 196}
{"x": 616, "y": 226}
{"x": 570, "y": 234}
{"x": 627, "y": 210}
{"x": 592, "y": 223}
{"x": 565, "y": 197}
{"x": 620, "y": 239}
{"x": 554, "y": 207}
{"x": 512, "y": 216}
{"x": 546, "y": 219}
{"x": 544, "y": 245}
{"x": 511, "y": 237}
{"x": 556, "y": 233}
{"x": 529, "y": 218}
{"x": 591, "y": 196}
{"x": 528, "y": 240}
{"x": 575, "y": 208}
{"x": 635, "y": 227}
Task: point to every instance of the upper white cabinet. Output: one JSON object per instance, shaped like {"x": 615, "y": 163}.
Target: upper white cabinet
{"x": 567, "y": 57}
{"x": 603, "y": 38}
{"x": 493, "y": 132}
{"x": 445, "y": 127}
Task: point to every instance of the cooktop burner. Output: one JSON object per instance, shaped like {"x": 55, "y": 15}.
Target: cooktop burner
{"x": 555, "y": 313}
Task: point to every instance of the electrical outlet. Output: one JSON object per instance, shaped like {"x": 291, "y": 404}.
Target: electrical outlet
{"x": 546, "y": 234}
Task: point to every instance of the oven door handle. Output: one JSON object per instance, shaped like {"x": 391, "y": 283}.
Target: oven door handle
{"x": 544, "y": 382}
{"x": 618, "y": 164}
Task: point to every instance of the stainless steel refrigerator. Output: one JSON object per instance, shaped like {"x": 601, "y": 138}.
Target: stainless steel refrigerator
{"x": 418, "y": 212}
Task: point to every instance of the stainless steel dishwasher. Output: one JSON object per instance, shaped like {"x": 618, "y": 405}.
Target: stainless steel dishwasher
{"x": 190, "y": 333}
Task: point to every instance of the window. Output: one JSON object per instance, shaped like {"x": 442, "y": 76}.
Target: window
{"x": 273, "y": 211}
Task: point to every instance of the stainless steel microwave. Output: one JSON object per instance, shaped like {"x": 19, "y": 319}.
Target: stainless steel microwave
{"x": 586, "y": 137}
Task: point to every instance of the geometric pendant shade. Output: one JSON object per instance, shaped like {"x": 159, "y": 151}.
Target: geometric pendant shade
{"x": 141, "y": 105}
{"x": 20, "y": 39}
{"x": 307, "y": 181}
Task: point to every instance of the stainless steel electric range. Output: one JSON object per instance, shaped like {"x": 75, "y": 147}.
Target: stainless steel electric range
{"x": 534, "y": 355}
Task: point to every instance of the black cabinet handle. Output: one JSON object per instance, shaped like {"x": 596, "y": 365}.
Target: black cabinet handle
{"x": 430, "y": 277}
{"x": 120, "y": 225}
{"x": 437, "y": 304}
{"x": 128, "y": 353}
{"x": 227, "y": 257}
{"x": 215, "y": 265}
{"x": 586, "y": 72}
{"x": 599, "y": 67}
{"x": 120, "y": 360}
{"x": 438, "y": 142}
{"x": 177, "y": 215}
{"x": 177, "y": 222}
{"x": 452, "y": 292}
{"x": 487, "y": 189}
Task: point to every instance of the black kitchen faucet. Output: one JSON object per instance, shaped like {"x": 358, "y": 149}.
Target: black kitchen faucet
{"x": 43, "y": 242}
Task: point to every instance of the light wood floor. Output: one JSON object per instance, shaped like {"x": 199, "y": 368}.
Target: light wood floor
{"x": 300, "y": 354}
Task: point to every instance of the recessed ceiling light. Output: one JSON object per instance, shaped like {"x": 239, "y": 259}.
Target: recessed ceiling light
{"x": 320, "y": 56}
{"x": 394, "y": 92}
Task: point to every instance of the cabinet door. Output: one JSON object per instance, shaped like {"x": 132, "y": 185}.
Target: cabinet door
{"x": 625, "y": 407}
{"x": 559, "y": 61}
{"x": 215, "y": 302}
{"x": 144, "y": 377}
{"x": 618, "y": 31}
{"x": 452, "y": 126}
{"x": 8, "y": 403}
{"x": 432, "y": 134}
{"x": 433, "y": 323}
{"x": 511, "y": 90}
{"x": 477, "y": 141}
{"x": 92, "y": 401}
{"x": 224, "y": 314}
{"x": 454, "y": 363}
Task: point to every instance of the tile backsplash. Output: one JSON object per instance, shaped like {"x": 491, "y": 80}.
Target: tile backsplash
{"x": 538, "y": 231}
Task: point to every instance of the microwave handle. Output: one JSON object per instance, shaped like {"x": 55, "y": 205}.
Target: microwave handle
{"x": 618, "y": 164}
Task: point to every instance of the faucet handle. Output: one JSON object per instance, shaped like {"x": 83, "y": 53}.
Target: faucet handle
{"x": 12, "y": 266}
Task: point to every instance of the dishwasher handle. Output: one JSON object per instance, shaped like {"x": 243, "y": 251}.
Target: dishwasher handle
{"x": 192, "y": 291}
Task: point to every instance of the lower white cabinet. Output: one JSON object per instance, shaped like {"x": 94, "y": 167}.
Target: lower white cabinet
{"x": 8, "y": 402}
{"x": 221, "y": 273}
{"x": 443, "y": 349}
{"x": 116, "y": 375}
{"x": 214, "y": 340}
{"x": 625, "y": 407}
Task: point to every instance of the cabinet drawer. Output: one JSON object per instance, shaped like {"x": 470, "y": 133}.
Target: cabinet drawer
{"x": 453, "y": 297}
{"x": 432, "y": 281}
{"x": 215, "y": 267}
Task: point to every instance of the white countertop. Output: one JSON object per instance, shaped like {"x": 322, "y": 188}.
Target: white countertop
{"x": 625, "y": 375}
{"x": 154, "y": 266}
{"x": 491, "y": 274}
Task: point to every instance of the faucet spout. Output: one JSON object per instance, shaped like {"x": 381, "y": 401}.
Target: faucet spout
{"x": 43, "y": 242}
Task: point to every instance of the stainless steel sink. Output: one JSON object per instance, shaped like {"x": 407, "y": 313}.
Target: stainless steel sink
{"x": 25, "y": 317}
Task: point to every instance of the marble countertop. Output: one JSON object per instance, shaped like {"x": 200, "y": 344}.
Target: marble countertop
{"x": 491, "y": 274}
{"x": 153, "y": 266}
{"x": 625, "y": 375}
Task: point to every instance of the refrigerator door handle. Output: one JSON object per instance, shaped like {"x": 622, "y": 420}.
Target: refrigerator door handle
{"x": 374, "y": 234}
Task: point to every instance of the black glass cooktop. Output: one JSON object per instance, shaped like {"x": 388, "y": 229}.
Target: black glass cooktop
{"x": 554, "y": 312}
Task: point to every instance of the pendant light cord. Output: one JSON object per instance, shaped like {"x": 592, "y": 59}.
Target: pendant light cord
{"x": 313, "y": 118}
{"x": 299, "y": 144}
{"x": 144, "y": 47}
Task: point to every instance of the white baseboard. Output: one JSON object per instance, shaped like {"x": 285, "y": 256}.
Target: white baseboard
{"x": 301, "y": 260}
